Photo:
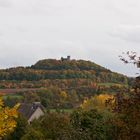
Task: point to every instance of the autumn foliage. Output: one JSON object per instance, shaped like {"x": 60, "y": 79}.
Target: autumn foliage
{"x": 96, "y": 102}
{"x": 7, "y": 119}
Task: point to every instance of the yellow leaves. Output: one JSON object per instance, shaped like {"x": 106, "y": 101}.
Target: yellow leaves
{"x": 63, "y": 95}
{"x": 96, "y": 102}
{"x": 7, "y": 118}
{"x": 1, "y": 103}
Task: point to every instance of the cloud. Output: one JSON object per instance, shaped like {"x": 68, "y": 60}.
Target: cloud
{"x": 40, "y": 7}
{"x": 36, "y": 29}
{"x": 130, "y": 33}
{"x": 5, "y": 3}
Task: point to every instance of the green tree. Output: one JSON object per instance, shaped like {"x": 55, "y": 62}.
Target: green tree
{"x": 33, "y": 134}
{"x": 90, "y": 125}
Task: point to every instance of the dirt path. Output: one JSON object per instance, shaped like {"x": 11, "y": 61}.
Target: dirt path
{"x": 12, "y": 91}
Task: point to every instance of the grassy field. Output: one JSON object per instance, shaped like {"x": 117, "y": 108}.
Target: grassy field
{"x": 12, "y": 96}
{"x": 61, "y": 110}
{"x": 112, "y": 84}
{"x": 14, "y": 90}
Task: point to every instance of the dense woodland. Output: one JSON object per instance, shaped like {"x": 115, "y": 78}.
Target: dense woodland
{"x": 58, "y": 69}
{"x": 83, "y": 101}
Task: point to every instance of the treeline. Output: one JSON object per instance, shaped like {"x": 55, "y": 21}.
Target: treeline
{"x": 56, "y": 69}
{"x": 61, "y": 83}
{"x": 53, "y": 64}
{"x": 80, "y": 125}
{"x": 55, "y": 97}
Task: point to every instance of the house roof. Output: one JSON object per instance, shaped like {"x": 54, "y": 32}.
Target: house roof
{"x": 28, "y": 109}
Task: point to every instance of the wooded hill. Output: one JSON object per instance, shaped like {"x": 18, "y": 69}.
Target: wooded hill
{"x": 67, "y": 69}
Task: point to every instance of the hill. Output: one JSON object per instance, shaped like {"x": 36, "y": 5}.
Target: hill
{"x": 67, "y": 69}
{"x": 62, "y": 84}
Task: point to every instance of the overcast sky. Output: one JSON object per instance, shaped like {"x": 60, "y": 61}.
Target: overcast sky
{"x": 96, "y": 30}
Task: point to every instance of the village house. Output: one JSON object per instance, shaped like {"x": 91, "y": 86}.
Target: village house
{"x": 31, "y": 111}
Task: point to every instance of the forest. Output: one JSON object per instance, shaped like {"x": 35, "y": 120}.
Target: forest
{"x": 58, "y": 69}
{"x": 81, "y": 101}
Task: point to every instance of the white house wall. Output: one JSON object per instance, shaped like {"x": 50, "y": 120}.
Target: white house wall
{"x": 36, "y": 114}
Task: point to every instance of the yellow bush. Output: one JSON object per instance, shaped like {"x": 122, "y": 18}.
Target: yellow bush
{"x": 7, "y": 119}
{"x": 96, "y": 102}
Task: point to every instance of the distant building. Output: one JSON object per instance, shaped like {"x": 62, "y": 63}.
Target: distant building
{"x": 31, "y": 111}
{"x": 65, "y": 59}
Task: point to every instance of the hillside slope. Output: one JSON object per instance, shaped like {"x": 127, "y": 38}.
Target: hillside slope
{"x": 67, "y": 69}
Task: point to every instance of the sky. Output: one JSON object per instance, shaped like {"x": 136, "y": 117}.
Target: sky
{"x": 95, "y": 30}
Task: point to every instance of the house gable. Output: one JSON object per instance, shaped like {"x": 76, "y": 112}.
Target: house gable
{"x": 37, "y": 113}
{"x": 31, "y": 111}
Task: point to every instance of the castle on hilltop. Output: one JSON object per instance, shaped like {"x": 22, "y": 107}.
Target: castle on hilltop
{"x": 65, "y": 59}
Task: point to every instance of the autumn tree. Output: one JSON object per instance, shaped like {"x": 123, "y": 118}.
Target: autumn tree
{"x": 7, "y": 119}
{"x": 127, "y": 106}
{"x": 20, "y": 130}
{"x": 96, "y": 102}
